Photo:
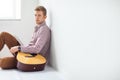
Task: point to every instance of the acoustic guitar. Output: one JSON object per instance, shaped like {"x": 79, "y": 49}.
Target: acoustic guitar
{"x": 30, "y": 62}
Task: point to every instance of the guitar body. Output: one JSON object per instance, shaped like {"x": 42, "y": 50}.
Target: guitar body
{"x": 30, "y": 62}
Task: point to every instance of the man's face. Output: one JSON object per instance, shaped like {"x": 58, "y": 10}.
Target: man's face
{"x": 39, "y": 17}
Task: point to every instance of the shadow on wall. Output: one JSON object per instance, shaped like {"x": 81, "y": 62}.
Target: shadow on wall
{"x": 52, "y": 56}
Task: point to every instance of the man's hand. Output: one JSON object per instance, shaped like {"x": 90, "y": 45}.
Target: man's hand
{"x": 14, "y": 49}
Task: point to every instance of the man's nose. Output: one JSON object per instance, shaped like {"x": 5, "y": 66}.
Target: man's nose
{"x": 36, "y": 17}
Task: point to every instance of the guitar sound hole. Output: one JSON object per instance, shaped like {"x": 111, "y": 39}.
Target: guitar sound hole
{"x": 31, "y": 55}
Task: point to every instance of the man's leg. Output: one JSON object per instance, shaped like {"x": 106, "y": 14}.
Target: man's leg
{"x": 10, "y": 41}
{"x": 8, "y": 63}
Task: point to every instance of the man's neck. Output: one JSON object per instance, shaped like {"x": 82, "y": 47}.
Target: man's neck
{"x": 38, "y": 25}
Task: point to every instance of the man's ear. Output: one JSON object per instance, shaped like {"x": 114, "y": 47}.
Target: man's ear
{"x": 45, "y": 17}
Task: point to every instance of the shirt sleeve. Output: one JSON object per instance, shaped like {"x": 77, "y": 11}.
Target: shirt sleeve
{"x": 39, "y": 44}
{"x": 31, "y": 42}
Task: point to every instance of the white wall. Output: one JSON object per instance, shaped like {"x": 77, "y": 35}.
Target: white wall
{"x": 85, "y": 38}
{"x": 21, "y": 28}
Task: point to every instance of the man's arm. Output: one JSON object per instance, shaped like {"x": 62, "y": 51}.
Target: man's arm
{"x": 44, "y": 36}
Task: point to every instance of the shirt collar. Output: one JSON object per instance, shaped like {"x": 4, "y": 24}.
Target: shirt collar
{"x": 40, "y": 25}
{"x": 43, "y": 23}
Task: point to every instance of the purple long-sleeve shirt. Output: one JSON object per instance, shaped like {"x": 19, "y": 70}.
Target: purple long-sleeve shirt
{"x": 40, "y": 42}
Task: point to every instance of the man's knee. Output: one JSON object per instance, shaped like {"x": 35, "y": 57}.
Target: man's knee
{"x": 4, "y": 33}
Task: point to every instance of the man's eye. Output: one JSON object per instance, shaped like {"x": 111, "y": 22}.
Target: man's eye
{"x": 39, "y": 15}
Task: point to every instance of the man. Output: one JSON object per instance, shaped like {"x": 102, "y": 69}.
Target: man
{"x": 39, "y": 44}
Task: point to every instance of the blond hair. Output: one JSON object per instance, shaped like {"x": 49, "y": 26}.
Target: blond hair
{"x": 41, "y": 8}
